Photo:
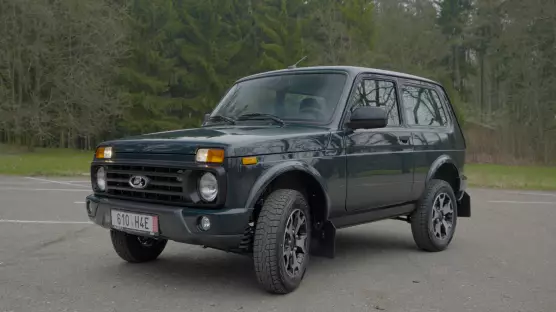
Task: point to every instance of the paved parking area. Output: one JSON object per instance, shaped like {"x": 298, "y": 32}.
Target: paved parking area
{"x": 51, "y": 259}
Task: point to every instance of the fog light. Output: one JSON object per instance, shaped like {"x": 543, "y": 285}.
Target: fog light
{"x": 204, "y": 223}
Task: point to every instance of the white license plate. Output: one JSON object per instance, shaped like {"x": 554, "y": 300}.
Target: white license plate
{"x": 133, "y": 221}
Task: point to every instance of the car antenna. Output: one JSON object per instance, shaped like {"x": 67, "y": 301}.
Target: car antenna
{"x": 295, "y": 65}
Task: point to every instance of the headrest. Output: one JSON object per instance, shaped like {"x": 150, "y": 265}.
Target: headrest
{"x": 309, "y": 103}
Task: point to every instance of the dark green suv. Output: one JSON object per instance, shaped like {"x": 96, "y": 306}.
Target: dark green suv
{"x": 285, "y": 159}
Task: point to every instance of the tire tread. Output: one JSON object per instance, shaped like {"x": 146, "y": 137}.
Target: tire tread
{"x": 420, "y": 217}
{"x": 131, "y": 251}
{"x": 267, "y": 237}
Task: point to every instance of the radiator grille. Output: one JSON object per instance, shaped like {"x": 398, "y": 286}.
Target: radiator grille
{"x": 165, "y": 184}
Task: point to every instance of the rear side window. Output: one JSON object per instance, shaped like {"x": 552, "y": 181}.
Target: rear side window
{"x": 423, "y": 107}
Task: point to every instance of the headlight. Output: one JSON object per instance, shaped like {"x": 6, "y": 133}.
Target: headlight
{"x": 104, "y": 152}
{"x": 208, "y": 187}
{"x": 101, "y": 179}
{"x": 210, "y": 155}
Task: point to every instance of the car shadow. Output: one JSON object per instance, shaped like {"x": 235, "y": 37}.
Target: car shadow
{"x": 208, "y": 269}
{"x": 360, "y": 244}
{"x": 219, "y": 271}
{"x": 355, "y": 247}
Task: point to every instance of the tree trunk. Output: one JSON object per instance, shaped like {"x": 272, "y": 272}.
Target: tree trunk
{"x": 482, "y": 79}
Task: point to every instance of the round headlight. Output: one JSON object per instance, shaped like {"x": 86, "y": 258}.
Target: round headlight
{"x": 101, "y": 179}
{"x": 208, "y": 187}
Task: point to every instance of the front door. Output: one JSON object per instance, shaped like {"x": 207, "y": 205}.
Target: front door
{"x": 379, "y": 161}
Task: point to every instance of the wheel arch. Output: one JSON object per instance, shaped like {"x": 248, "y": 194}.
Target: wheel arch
{"x": 298, "y": 175}
{"x": 444, "y": 168}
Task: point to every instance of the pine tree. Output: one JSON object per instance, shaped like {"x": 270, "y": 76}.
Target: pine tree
{"x": 341, "y": 32}
{"x": 213, "y": 48}
{"x": 453, "y": 19}
{"x": 281, "y": 25}
{"x": 150, "y": 72}
{"x": 185, "y": 55}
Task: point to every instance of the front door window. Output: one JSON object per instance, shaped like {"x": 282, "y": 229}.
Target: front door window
{"x": 378, "y": 93}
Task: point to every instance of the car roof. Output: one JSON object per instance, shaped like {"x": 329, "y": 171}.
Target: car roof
{"x": 353, "y": 70}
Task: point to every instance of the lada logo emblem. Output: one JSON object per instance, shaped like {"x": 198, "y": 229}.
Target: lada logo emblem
{"x": 138, "y": 182}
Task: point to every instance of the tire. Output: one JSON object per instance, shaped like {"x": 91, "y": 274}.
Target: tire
{"x": 272, "y": 246}
{"x": 129, "y": 247}
{"x": 429, "y": 224}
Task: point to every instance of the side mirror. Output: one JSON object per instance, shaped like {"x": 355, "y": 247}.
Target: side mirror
{"x": 368, "y": 117}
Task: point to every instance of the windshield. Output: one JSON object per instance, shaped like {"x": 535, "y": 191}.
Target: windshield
{"x": 310, "y": 97}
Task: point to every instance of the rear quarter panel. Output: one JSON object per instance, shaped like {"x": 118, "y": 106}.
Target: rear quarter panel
{"x": 433, "y": 143}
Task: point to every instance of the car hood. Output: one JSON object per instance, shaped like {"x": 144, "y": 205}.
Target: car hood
{"x": 236, "y": 140}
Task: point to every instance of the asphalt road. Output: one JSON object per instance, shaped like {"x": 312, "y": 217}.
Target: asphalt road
{"x": 502, "y": 259}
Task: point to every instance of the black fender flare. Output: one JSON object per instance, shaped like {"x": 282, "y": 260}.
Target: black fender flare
{"x": 463, "y": 199}
{"x": 442, "y": 160}
{"x": 274, "y": 172}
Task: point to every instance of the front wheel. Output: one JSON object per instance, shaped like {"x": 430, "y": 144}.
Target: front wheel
{"x": 136, "y": 249}
{"x": 282, "y": 238}
{"x": 434, "y": 221}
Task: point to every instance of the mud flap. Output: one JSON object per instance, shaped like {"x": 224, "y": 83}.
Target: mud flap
{"x": 464, "y": 206}
{"x": 323, "y": 243}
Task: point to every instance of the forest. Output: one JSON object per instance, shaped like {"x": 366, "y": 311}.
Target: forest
{"x": 76, "y": 72}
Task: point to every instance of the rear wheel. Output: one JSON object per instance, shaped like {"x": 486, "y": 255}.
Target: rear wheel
{"x": 136, "y": 249}
{"x": 281, "y": 246}
{"x": 434, "y": 221}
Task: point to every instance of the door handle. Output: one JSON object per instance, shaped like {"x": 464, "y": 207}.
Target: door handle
{"x": 404, "y": 139}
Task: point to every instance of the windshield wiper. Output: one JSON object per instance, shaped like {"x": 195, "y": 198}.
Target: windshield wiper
{"x": 225, "y": 118}
{"x": 261, "y": 115}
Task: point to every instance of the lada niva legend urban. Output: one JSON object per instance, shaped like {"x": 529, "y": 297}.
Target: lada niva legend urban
{"x": 284, "y": 160}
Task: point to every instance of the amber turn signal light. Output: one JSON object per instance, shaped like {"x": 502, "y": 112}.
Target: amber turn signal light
{"x": 104, "y": 152}
{"x": 210, "y": 155}
{"x": 249, "y": 160}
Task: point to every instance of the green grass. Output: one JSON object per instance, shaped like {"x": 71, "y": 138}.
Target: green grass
{"x": 511, "y": 177}
{"x": 44, "y": 162}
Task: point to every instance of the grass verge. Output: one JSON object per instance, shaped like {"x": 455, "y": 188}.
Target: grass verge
{"x": 511, "y": 177}
{"x": 44, "y": 162}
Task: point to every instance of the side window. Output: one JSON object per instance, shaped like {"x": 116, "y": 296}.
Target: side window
{"x": 441, "y": 104}
{"x": 379, "y": 93}
{"x": 423, "y": 107}
{"x": 445, "y": 105}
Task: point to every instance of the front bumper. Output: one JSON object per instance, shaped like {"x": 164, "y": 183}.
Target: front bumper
{"x": 229, "y": 227}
